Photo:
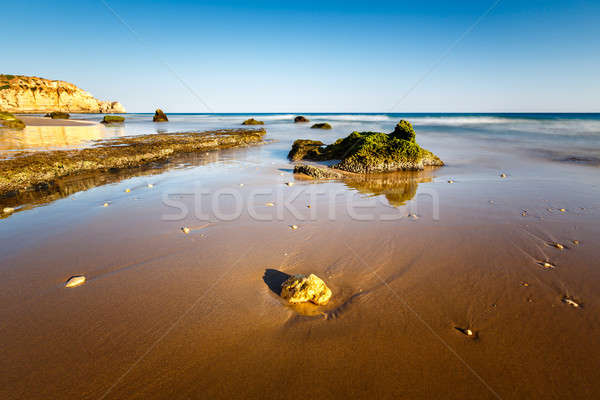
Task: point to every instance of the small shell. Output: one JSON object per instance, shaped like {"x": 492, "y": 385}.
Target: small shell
{"x": 289, "y": 183}
{"x": 547, "y": 265}
{"x": 502, "y": 175}
{"x": 570, "y": 302}
{"x": 525, "y": 284}
{"x": 558, "y": 246}
{"x": 293, "y": 227}
{"x": 75, "y": 281}
{"x": 269, "y": 204}
{"x": 185, "y": 229}
{"x": 8, "y": 210}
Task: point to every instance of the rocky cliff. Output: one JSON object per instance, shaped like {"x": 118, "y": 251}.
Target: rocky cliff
{"x": 29, "y": 94}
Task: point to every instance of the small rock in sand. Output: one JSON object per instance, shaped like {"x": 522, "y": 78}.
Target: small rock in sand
{"x": 150, "y": 185}
{"x": 450, "y": 181}
{"x": 127, "y": 190}
{"x": 302, "y": 289}
{"x": 185, "y": 229}
{"x": 571, "y": 302}
{"x": 503, "y": 175}
{"x": 547, "y": 265}
{"x": 75, "y": 281}
{"x": 289, "y": 183}
{"x": 465, "y": 331}
{"x": 269, "y": 204}
{"x": 105, "y": 205}
{"x": 293, "y": 227}
{"x": 413, "y": 216}
{"x": 241, "y": 184}
{"x": 562, "y": 210}
{"x": 575, "y": 242}
{"x": 525, "y": 284}
{"x": 558, "y": 246}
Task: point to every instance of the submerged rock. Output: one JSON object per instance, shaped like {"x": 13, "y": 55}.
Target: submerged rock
{"x": 7, "y": 120}
{"x": 301, "y": 118}
{"x": 302, "y": 289}
{"x": 113, "y": 119}
{"x": 318, "y": 171}
{"x": 160, "y": 116}
{"x": 322, "y": 125}
{"x": 252, "y": 121}
{"x": 58, "y": 115}
{"x": 365, "y": 152}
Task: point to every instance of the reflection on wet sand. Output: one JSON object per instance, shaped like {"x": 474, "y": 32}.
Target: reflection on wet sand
{"x": 397, "y": 187}
{"x": 53, "y": 137}
{"x": 68, "y": 186}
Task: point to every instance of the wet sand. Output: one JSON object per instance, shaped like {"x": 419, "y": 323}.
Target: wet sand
{"x": 46, "y": 121}
{"x": 169, "y": 315}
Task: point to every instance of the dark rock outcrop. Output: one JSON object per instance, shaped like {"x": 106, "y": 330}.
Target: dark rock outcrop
{"x": 301, "y": 118}
{"x": 58, "y": 115}
{"x": 160, "y": 116}
{"x": 365, "y": 152}
{"x": 252, "y": 121}
{"x": 322, "y": 125}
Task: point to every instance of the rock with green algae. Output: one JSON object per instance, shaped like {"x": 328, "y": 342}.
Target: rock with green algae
{"x": 365, "y": 152}
{"x": 252, "y": 121}
{"x": 113, "y": 119}
{"x": 302, "y": 289}
{"x": 301, "y": 147}
{"x": 58, "y": 115}
{"x": 321, "y": 125}
{"x": 7, "y": 120}
{"x": 160, "y": 116}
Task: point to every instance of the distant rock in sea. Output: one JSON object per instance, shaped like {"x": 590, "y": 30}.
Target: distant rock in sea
{"x": 322, "y": 125}
{"x": 29, "y": 94}
{"x": 112, "y": 119}
{"x": 301, "y": 118}
{"x": 58, "y": 115}
{"x": 252, "y": 121}
{"x": 160, "y": 116}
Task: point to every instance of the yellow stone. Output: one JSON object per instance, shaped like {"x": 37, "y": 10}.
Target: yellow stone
{"x": 302, "y": 289}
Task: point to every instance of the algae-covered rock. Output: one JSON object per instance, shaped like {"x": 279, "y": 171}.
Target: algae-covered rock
{"x": 113, "y": 119}
{"x": 160, "y": 116}
{"x": 322, "y": 125}
{"x": 58, "y": 115}
{"x": 252, "y": 121}
{"x": 318, "y": 171}
{"x": 301, "y": 147}
{"x": 7, "y": 120}
{"x": 364, "y": 152}
{"x": 301, "y": 118}
{"x": 302, "y": 289}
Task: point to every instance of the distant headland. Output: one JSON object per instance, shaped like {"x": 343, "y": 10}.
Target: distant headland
{"x": 30, "y": 94}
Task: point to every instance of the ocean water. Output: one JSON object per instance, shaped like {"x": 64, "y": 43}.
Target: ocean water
{"x": 572, "y": 138}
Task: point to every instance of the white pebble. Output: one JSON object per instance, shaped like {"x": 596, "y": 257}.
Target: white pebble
{"x": 75, "y": 281}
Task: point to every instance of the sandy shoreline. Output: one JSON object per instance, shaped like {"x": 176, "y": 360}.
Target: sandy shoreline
{"x": 169, "y": 315}
{"x": 46, "y": 121}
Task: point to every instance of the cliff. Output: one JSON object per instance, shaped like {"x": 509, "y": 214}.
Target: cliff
{"x": 29, "y": 94}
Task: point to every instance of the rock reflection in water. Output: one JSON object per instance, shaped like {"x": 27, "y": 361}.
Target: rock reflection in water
{"x": 397, "y": 187}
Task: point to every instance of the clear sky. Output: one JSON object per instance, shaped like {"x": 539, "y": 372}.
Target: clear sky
{"x": 328, "y": 56}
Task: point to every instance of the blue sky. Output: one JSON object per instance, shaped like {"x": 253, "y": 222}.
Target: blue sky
{"x": 328, "y": 56}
